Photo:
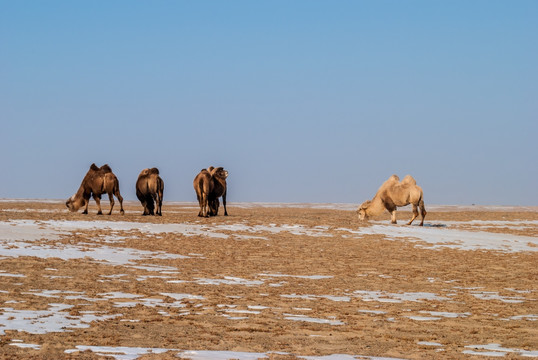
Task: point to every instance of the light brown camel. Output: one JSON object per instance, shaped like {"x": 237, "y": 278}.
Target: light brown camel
{"x": 97, "y": 181}
{"x": 392, "y": 194}
{"x": 150, "y": 188}
{"x": 203, "y": 185}
{"x": 210, "y": 184}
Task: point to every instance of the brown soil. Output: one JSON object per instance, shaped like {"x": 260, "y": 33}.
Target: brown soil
{"x": 265, "y": 317}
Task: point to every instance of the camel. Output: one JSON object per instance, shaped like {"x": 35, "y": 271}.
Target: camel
{"x": 149, "y": 188}
{"x": 220, "y": 188}
{"x": 210, "y": 184}
{"x": 392, "y": 194}
{"x": 203, "y": 185}
{"x": 96, "y": 182}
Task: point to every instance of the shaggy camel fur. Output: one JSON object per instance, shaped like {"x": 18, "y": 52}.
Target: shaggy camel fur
{"x": 203, "y": 186}
{"x": 392, "y": 194}
{"x": 150, "y": 188}
{"x": 220, "y": 188}
{"x": 96, "y": 182}
{"x": 210, "y": 184}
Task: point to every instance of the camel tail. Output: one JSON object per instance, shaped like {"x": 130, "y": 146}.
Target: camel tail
{"x": 118, "y": 195}
{"x": 116, "y": 189}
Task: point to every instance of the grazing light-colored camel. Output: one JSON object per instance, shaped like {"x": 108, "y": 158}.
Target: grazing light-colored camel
{"x": 393, "y": 194}
{"x": 97, "y": 182}
{"x": 150, "y": 188}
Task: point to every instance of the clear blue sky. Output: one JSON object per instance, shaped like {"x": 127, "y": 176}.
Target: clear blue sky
{"x": 302, "y": 101}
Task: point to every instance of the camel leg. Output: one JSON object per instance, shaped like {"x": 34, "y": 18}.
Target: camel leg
{"x": 97, "y": 199}
{"x": 151, "y": 205}
{"x": 145, "y": 205}
{"x": 224, "y": 203}
{"x": 214, "y": 206}
{"x": 205, "y": 204}
{"x": 422, "y": 211}
{"x": 155, "y": 206}
{"x": 393, "y": 216}
{"x": 199, "y": 204}
{"x": 415, "y": 214}
{"x": 87, "y": 204}
{"x": 160, "y": 206}
{"x": 111, "y": 199}
{"x": 120, "y": 199}
{"x": 160, "y": 191}
{"x": 392, "y": 210}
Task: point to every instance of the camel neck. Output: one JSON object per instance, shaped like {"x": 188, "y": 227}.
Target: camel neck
{"x": 376, "y": 207}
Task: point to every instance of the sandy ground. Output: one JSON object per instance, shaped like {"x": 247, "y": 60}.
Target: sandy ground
{"x": 272, "y": 282}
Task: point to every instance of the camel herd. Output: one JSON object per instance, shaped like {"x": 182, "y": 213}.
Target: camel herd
{"x": 210, "y": 185}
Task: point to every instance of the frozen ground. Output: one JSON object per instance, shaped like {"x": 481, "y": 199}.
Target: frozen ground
{"x": 71, "y": 274}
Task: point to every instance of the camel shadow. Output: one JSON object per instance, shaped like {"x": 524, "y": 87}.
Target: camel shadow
{"x": 435, "y": 225}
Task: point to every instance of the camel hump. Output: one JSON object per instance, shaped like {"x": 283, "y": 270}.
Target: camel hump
{"x": 390, "y": 182}
{"x": 408, "y": 179}
{"x": 94, "y": 167}
{"x": 154, "y": 171}
{"x": 219, "y": 172}
{"x": 106, "y": 168}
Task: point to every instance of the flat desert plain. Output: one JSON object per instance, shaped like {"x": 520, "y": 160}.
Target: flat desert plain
{"x": 269, "y": 281}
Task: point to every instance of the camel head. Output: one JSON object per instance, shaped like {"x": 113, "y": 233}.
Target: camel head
{"x": 75, "y": 202}
{"x": 361, "y": 211}
{"x": 220, "y": 173}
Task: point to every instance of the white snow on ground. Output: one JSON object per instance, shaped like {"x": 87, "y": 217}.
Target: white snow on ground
{"x": 382, "y": 296}
{"x": 523, "y": 224}
{"x": 429, "y": 343}
{"x": 493, "y": 295}
{"x": 439, "y": 237}
{"x": 130, "y": 353}
{"x": 446, "y": 314}
{"x": 19, "y": 238}
{"x": 19, "y": 343}
{"x": 29, "y": 230}
{"x": 44, "y": 321}
{"x": 373, "y": 312}
{"x": 229, "y": 280}
{"x": 304, "y": 318}
{"x": 311, "y": 277}
{"x": 112, "y": 256}
{"x": 496, "y": 350}
{"x": 529, "y": 317}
